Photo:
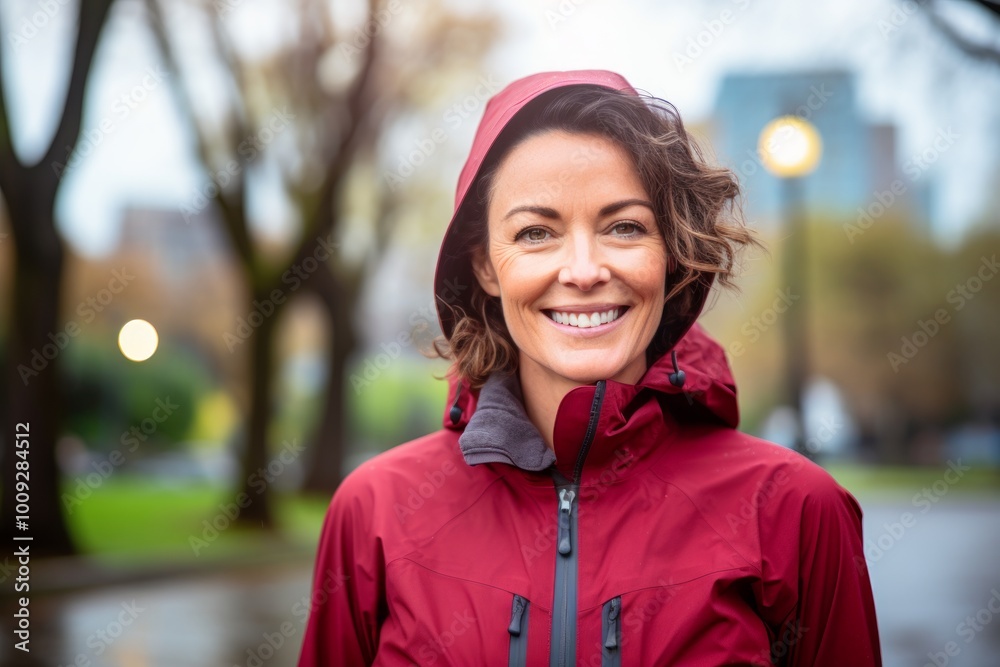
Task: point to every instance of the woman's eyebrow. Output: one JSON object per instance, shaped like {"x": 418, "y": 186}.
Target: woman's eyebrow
{"x": 546, "y": 212}
{"x": 625, "y": 203}
{"x": 543, "y": 211}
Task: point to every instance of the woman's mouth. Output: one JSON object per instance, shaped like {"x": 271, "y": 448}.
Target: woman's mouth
{"x": 586, "y": 320}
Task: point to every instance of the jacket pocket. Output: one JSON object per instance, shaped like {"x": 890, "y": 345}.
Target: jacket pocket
{"x": 611, "y": 631}
{"x": 518, "y": 630}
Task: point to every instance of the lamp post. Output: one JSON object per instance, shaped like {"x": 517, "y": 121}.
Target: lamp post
{"x": 790, "y": 148}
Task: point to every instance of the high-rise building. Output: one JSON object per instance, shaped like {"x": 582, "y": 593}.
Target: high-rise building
{"x": 858, "y": 162}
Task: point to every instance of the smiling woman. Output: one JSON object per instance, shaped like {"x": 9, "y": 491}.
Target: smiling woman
{"x": 578, "y": 271}
{"x": 589, "y": 500}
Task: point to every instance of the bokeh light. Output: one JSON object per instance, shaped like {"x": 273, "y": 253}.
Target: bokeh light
{"x": 790, "y": 147}
{"x": 138, "y": 340}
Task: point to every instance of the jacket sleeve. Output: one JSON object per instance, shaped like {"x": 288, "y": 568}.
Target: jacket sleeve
{"x": 815, "y": 576}
{"x": 345, "y": 608}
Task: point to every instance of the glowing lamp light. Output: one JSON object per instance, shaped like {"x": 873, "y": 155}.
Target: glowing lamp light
{"x": 138, "y": 340}
{"x": 789, "y": 147}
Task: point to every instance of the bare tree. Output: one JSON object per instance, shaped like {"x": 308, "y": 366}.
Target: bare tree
{"x": 36, "y": 335}
{"x": 966, "y": 44}
{"x": 339, "y": 89}
{"x": 344, "y": 114}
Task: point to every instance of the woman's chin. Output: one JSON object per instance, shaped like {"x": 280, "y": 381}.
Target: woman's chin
{"x": 588, "y": 368}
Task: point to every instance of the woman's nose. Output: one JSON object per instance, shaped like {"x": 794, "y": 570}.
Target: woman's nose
{"x": 584, "y": 263}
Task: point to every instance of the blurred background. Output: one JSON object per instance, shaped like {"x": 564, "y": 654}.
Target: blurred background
{"x": 219, "y": 225}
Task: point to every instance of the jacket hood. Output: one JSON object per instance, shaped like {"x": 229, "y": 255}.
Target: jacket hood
{"x": 453, "y": 276}
{"x": 706, "y": 382}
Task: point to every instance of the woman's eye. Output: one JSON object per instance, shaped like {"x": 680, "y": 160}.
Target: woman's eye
{"x": 533, "y": 235}
{"x": 627, "y": 229}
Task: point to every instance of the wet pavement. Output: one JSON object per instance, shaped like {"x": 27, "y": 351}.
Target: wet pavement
{"x": 934, "y": 575}
{"x": 245, "y": 618}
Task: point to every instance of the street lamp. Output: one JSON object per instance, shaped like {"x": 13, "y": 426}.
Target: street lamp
{"x": 790, "y": 148}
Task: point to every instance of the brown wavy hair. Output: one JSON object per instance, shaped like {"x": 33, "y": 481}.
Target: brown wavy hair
{"x": 696, "y": 206}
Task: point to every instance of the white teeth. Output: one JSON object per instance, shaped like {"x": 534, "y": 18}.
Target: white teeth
{"x": 583, "y": 320}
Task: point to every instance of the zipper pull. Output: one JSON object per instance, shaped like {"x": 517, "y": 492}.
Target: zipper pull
{"x": 516, "y": 614}
{"x": 611, "y": 641}
{"x": 566, "y": 497}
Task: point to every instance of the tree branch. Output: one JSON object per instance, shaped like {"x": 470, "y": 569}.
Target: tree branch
{"x": 10, "y": 166}
{"x": 93, "y": 15}
{"x": 964, "y": 44}
{"x": 231, "y": 206}
{"x": 320, "y": 221}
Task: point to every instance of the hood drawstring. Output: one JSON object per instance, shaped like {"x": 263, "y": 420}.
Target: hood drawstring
{"x": 455, "y": 414}
{"x": 677, "y": 377}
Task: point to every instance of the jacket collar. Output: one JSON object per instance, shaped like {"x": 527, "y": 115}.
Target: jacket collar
{"x": 500, "y": 431}
{"x": 629, "y": 419}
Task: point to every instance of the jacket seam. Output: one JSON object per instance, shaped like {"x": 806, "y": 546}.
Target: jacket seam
{"x": 708, "y": 523}
{"x": 472, "y": 581}
{"x": 437, "y": 530}
{"x": 670, "y": 585}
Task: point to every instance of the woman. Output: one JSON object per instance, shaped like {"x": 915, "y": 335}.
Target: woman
{"x": 589, "y": 500}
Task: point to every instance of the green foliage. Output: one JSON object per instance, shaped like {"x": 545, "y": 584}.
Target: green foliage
{"x": 904, "y": 326}
{"x": 404, "y": 402}
{"x": 108, "y": 395}
{"x": 895, "y": 324}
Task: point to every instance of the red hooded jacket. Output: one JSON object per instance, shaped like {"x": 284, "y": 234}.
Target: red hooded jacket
{"x": 654, "y": 533}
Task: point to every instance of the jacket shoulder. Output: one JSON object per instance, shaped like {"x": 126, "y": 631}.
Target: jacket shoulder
{"x": 407, "y": 493}
{"x": 752, "y": 491}
{"x": 747, "y": 462}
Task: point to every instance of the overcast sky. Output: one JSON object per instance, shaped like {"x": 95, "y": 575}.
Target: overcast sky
{"x": 907, "y": 75}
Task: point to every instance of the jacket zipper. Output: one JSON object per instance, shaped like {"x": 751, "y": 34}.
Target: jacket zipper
{"x": 564, "y": 608}
{"x": 611, "y": 631}
{"x": 518, "y": 630}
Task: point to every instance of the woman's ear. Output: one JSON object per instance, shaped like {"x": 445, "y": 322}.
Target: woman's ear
{"x": 485, "y": 274}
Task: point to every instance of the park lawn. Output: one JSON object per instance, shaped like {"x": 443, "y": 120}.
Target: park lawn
{"x": 133, "y": 520}
{"x": 904, "y": 482}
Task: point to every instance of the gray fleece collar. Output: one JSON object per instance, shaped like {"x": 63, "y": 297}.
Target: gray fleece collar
{"x": 499, "y": 431}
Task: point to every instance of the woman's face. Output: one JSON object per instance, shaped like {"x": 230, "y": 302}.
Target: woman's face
{"x": 576, "y": 258}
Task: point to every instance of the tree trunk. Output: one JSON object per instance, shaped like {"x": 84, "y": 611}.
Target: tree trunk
{"x": 257, "y": 478}
{"x": 328, "y": 443}
{"x": 34, "y": 397}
